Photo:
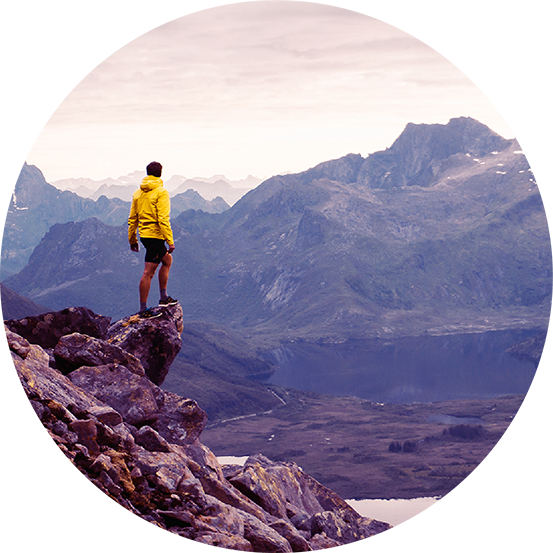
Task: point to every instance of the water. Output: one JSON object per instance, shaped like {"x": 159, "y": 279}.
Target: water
{"x": 405, "y": 370}
{"x": 416, "y": 522}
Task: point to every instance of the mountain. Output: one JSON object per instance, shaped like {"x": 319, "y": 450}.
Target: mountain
{"x": 15, "y": 306}
{"x": 36, "y": 205}
{"x": 442, "y": 232}
{"x": 210, "y": 190}
{"x": 79, "y": 259}
{"x": 190, "y": 199}
{"x": 123, "y": 187}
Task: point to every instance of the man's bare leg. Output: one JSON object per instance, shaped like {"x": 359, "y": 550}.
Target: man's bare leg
{"x": 146, "y": 280}
{"x": 163, "y": 276}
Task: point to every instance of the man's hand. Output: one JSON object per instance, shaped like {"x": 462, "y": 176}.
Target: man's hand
{"x": 171, "y": 248}
{"x": 134, "y": 247}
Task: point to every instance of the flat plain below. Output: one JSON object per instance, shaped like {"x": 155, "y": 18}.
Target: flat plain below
{"x": 366, "y": 450}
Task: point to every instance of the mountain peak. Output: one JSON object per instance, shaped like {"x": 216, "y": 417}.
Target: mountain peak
{"x": 459, "y": 135}
{"x": 415, "y": 158}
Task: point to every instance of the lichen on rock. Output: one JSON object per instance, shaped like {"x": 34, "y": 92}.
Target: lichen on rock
{"x": 141, "y": 445}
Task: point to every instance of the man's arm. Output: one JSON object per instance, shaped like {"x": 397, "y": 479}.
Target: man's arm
{"x": 133, "y": 226}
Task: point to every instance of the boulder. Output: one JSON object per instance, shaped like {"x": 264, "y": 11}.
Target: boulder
{"x": 75, "y": 350}
{"x": 149, "y": 439}
{"x": 131, "y": 395}
{"x": 263, "y": 537}
{"x": 155, "y": 342}
{"x": 283, "y": 487}
{"x": 179, "y": 420}
{"x": 286, "y": 529}
{"x": 45, "y": 330}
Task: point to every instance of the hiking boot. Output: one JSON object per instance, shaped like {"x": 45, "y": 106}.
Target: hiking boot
{"x": 168, "y": 302}
{"x": 149, "y": 314}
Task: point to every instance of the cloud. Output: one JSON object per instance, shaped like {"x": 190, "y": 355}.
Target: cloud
{"x": 255, "y": 71}
{"x": 244, "y": 57}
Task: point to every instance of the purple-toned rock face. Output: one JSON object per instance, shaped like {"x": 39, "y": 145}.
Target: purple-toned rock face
{"x": 140, "y": 445}
{"x": 129, "y": 394}
{"x": 45, "y": 330}
{"x": 78, "y": 350}
{"x": 155, "y": 342}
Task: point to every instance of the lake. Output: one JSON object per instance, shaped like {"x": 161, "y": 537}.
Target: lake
{"x": 407, "y": 370}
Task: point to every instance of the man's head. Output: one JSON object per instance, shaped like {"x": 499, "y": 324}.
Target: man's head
{"x": 154, "y": 169}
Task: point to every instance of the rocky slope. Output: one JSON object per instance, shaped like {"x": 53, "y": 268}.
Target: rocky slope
{"x": 530, "y": 349}
{"x": 92, "y": 385}
{"x": 442, "y": 231}
{"x": 15, "y": 306}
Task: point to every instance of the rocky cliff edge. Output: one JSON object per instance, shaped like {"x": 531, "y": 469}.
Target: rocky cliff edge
{"x": 95, "y": 387}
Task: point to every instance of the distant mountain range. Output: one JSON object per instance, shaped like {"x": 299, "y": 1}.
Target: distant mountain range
{"x": 442, "y": 232}
{"x": 123, "y": 187}
{"x": 36, "y": 206}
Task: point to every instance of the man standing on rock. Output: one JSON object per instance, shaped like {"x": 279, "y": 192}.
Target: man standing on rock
{"x": 150, "y": 214}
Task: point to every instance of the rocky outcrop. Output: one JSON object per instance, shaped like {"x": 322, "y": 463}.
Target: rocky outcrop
{"x": 76, "y": 350}
{"x": 155, "y": 342}
{"x": 77, "y": 336}
{"x": 46, "y": 329}
{"x": 140, "y": 445}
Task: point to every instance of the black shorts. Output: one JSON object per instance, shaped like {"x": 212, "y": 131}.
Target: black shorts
{"x": 155, "y": 249}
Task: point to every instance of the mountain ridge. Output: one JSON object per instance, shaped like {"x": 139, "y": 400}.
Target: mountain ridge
{"x": 460, "y": 243}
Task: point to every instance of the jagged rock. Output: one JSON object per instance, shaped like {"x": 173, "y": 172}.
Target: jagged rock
{"x": 129, "y": 394}
{"x": 283, "y": 490}
{"x": 75, "y": 350}
{"x": 119, "y": 472}
{"x": 224, "y": 518}
{"x": 102, "y": 463}
{"x": 277, "y": 486}
{"x": 17, "y": 344}
{"x": 296, "y": 540}
{"x": 155, "y": 342}
{"x": 45, "y": 330}
{"x": 225, "y": 541}
{"x": 179, "y": 420}
{"x": 140, "y": 446}
{"x": 214, "y": 486}
{"x": 107, "y": 482}
{"x": 263, "y": 537}
{"x": 42, "y": 382}
{"x": 88, "y": 435}
{"x": 165, "y": 470}
{"x": 149, "y": 439}
{"x": 108, "y": 437}
{"x": 107, "y": 415}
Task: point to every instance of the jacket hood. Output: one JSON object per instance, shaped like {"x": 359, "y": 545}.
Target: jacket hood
{"x": 150, "y": 182}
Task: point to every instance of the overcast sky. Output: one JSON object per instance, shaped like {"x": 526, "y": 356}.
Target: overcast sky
{"x": 258, "y": 88}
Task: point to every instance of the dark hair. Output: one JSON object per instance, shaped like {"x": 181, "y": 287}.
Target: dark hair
{"x": 154, "y": 169}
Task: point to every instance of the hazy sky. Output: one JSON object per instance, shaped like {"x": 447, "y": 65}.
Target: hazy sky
{"x": 257, "y": 88}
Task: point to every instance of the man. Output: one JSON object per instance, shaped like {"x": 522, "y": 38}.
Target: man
{"x": 150, "y": 211}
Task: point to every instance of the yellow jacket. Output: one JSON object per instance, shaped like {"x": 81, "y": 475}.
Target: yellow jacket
{"x": 150, "y": 212}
